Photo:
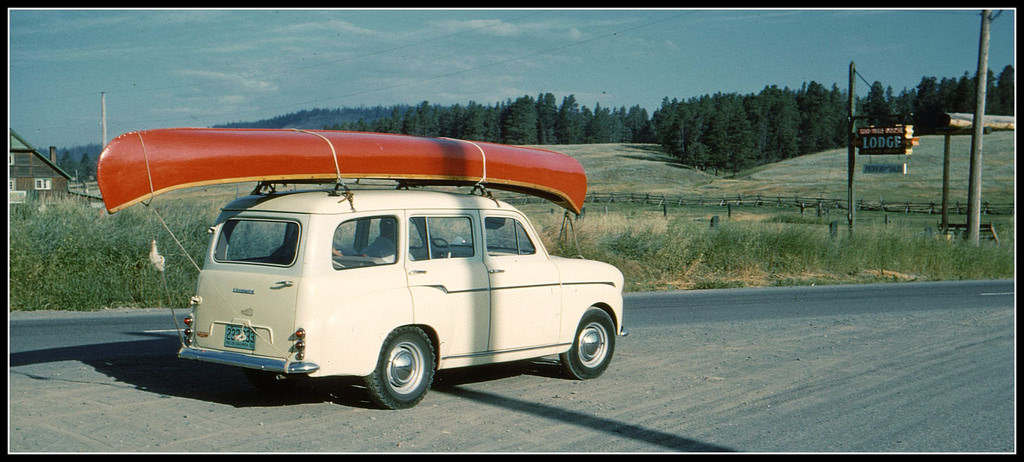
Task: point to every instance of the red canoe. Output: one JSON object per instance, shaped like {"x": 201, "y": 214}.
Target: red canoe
{"x": 137, "y": 166}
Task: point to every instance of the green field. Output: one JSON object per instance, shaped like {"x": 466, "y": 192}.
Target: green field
{"x": 72, "y": 256}
{"x": 644, "y": 168}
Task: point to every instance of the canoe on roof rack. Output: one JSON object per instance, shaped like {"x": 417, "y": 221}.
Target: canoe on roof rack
{"x": 138, "y": 166}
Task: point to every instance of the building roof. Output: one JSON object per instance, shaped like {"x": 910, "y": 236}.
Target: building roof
{"x": 19, "y": 145}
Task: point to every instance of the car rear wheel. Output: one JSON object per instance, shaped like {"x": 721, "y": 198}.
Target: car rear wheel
{"x": 593, "y": 346}
{"x": 405, "y": 369}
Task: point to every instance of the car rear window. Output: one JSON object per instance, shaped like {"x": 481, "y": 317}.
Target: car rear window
{"x": 256, "y": 241}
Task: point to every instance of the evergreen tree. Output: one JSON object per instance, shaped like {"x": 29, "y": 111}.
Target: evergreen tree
{"x": 547, "y": 114}
{"x": 474, "y": 123}
{"x": 1004, "y": 93}
{"x": 421, "y": 120}
{"x": 519, "y": 122}
{"x": 817, "y": 118}
{"x": 86, "y": 169}
{"x": 903, "y": 103}
{"x": 638, "y": 126}
{"x": 65, "y": 163}
{"x": 599, "y": 128}
{"x": 783, "y": 126}
{"x": 962, "y": 98}
{"x": 569, "y": 123}
{"x": 876, "y": 106}
{"x": 928, "y": 105}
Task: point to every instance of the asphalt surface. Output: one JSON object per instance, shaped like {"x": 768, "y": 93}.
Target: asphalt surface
{"x": 910, "y": 367}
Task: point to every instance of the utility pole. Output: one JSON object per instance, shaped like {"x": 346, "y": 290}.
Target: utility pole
{"x": 945, "y": 184}
{"x": 103, "y": 117}
{"x": 851, "y": 150}
{"x": 974, "y": 190}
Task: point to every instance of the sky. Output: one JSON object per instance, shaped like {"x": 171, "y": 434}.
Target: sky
{"x": 196, "y": 68}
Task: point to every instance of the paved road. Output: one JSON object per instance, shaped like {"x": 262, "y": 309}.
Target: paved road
{"x": 878, "y": 368}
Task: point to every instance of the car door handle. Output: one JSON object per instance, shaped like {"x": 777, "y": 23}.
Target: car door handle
{"x": 417, "y": 271}
{"x": 495, "y": 271}
{"x": 282, "y": 284}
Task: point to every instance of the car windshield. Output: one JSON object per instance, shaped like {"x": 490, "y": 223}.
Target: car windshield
{"x": 269, "y": 242}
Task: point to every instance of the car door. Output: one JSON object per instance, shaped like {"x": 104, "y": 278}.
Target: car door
{"x": 448, "y": 281}
{"x": 525, "y": 288}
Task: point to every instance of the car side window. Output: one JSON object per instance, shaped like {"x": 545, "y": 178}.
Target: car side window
{"x": 440, "y": 237}
{"x": 367, "y": 241}
{"x": 506, "y": 236}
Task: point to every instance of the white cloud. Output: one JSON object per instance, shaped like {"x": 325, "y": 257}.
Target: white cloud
{"x": 230, "y": 80}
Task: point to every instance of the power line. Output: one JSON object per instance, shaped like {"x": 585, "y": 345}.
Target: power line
{"x": 288, "y": 70}
{"x": 463, "y": 71}
{"x": 499, "y": 62}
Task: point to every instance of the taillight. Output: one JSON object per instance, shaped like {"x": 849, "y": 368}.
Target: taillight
{"x": 300, "y": 343}
{"x": 188, "y": 329}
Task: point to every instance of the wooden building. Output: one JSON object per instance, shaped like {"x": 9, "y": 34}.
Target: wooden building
{"x": 32, "y": 174}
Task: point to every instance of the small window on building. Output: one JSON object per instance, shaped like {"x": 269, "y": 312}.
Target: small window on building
{"x": 43, "y": 184}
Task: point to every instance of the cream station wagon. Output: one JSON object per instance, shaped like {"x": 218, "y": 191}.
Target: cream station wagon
{"x": 391, "y": 286}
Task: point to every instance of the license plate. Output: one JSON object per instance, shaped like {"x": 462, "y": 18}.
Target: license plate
{"x": 239, "y": 337}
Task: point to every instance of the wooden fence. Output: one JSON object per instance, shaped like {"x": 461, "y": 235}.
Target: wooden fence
{"x": 809, "y": 204}
{"x": 813, "y": 204}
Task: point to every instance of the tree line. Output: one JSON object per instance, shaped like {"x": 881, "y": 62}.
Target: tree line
{"x": 524, "y": 120}
{"x": 723, "y": 132}
{"x": 720, "y": 132}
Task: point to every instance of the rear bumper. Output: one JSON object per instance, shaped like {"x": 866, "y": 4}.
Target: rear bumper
{"x": 248, "y": 361}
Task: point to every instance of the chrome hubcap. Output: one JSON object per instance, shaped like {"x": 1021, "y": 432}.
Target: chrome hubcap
{"x": 405, "y": 367}
{"x": 593, "y": 344}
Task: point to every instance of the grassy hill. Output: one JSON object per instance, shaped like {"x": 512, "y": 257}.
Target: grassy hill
{"x": 645, "y": 168}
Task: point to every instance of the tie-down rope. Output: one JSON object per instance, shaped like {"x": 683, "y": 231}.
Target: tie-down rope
{"x": 159, "y": 261}
{"x": 337, "y": 168}
{"x": 481, "y": 184}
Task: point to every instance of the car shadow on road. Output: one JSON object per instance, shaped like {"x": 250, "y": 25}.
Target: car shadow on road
{"x": 587, "y": 421}
{"x": 152, "y": 365}
{"x": 452, "y": 382}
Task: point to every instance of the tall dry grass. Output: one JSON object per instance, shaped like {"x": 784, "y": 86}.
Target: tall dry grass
{"x": 688, "y": 253}
{"x": 67, "y": 255}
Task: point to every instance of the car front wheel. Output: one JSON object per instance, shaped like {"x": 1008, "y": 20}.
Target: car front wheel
{"x": 593, "y": 346}
{"x": 405, "y": 369}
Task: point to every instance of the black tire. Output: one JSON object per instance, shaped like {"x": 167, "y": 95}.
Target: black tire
{"x": 405, "y": 369}
{"x": 592, "y": 347}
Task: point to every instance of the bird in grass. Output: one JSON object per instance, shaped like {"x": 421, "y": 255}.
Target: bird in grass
{"x": 155, "y": 258}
